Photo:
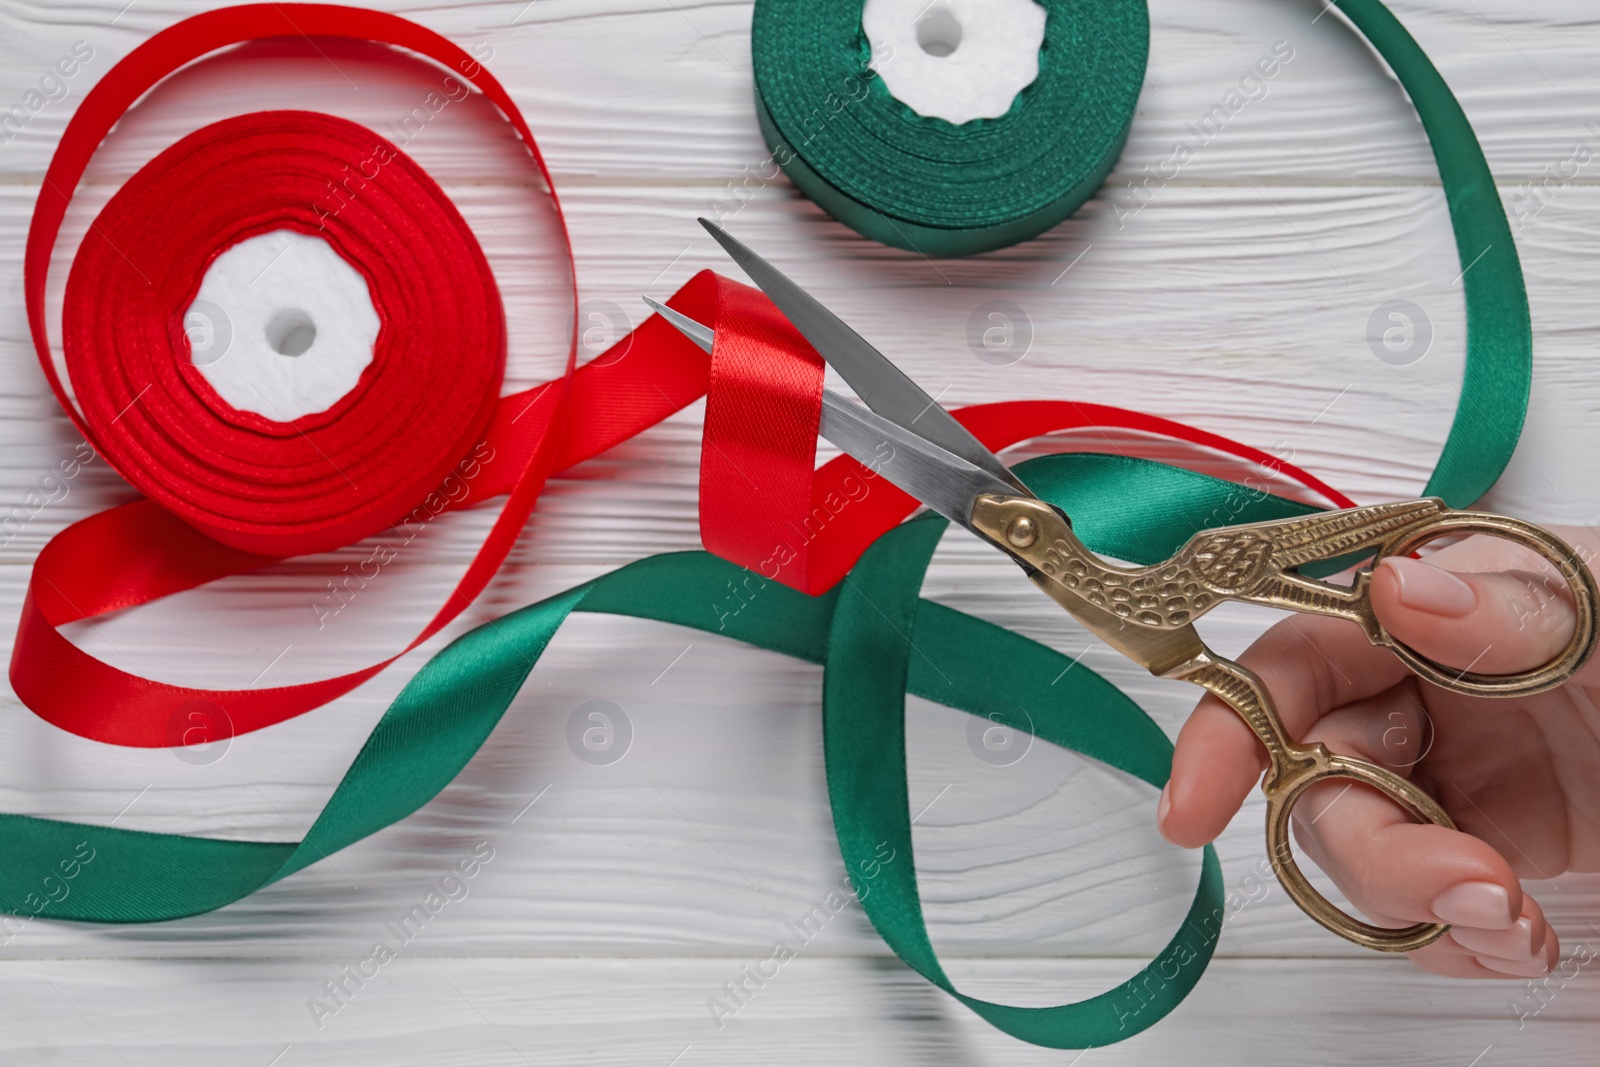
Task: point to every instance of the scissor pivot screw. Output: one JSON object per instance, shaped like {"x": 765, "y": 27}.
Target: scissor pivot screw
{"x": 1022, "y": 532}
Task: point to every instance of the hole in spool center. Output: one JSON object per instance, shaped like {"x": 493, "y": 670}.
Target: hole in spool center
{"x": 938, "y": 32}
{"x": 291, "y": 332}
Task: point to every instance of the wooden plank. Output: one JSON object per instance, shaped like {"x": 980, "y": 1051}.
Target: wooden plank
{"x": 427, "y": 1010}
{"x": 622, "y": 89}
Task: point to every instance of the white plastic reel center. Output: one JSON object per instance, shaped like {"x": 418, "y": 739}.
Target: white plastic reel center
{"x": 956, "y": 60}
{"x": 282, "y": 325}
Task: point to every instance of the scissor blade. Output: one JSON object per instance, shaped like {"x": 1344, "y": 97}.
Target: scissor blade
{"x": 876, "y": 380}
{"x": 943, "y": 481}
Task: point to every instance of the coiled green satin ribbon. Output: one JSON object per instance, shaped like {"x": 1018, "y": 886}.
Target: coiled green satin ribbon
{"x": 926, "y": 184}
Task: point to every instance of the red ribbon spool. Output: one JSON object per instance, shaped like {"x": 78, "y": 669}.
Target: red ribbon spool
{"x": 142, "y": 551}
{"x": 272, "y": 487}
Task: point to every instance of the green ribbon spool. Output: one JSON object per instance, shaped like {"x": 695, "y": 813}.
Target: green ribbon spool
{"x": 928, "y": 185}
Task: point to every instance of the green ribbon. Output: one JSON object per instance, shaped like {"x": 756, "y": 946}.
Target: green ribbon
{"x": 449, "y": 709}
{"x": 1499, "y": 372}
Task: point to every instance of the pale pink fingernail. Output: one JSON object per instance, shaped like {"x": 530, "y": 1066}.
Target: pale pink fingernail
{"x": 1516, "y": 943}
{"x": 1481, "y": 904}
{"x": 1515, "y": 968}
{"x": 1431, "y": 589}
{"x": 1163, "y": 806}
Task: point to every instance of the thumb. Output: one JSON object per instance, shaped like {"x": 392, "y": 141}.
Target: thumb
{"x": 1465, "y": 608}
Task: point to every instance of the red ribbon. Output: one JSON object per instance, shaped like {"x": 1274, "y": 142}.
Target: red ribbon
{"x": 229, "y": 492}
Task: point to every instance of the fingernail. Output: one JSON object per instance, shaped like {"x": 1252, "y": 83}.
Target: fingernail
{"x": 1428, "y": 588}
{"x": 1163, "y": 806}
{"x": 1514, "y": 968}
{"x": 1516, "y": 943}
{"x": 1481, "y": 904}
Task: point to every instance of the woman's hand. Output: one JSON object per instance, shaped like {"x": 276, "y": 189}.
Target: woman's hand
{"x": 1520, "y": 776}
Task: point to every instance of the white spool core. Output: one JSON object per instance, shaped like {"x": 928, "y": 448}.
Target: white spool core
{"x": 282, "y": 325}
{"x": 956, "y": 60}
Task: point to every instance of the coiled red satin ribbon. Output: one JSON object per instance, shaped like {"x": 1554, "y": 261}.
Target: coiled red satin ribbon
{"x": 330, "y": 478}
{"x": 758, "y": 483}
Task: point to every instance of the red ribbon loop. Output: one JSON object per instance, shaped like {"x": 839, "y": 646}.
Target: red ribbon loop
{"x": 763, "y": 403}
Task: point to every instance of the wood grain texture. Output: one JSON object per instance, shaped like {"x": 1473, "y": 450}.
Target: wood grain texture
{"x": 1236, "y": 299}
{"x": 438, "y": 1012}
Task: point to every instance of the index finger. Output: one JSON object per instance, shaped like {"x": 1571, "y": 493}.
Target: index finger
{"x": 1310, "y": 665}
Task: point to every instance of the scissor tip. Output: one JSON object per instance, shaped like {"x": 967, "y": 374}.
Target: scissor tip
{"x": 722, "y": 236}
{"x": 699, "y": 333}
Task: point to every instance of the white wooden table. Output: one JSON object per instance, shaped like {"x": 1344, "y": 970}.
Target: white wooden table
{"x": 621, "y": 897}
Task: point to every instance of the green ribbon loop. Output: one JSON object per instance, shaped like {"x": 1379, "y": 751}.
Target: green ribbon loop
{"x": 878, "y": 622}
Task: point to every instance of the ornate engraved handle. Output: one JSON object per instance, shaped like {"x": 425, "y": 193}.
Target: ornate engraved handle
{"x": 1144, "y": 611}
{"x": 1256, "y": 564}
{"x": 1294, "y": 769}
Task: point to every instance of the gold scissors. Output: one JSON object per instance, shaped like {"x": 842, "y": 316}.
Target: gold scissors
{"x": 1148, "y": 613}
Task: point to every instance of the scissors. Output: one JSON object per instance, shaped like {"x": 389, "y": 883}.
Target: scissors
{"x": 1148, "y": 613}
